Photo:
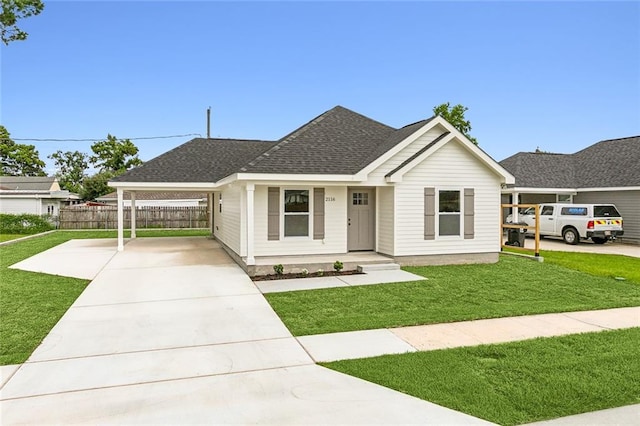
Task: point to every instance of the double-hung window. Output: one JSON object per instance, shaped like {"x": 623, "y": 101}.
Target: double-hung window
{"x": 448, "y": 213}
{"x": 296, "y": 213}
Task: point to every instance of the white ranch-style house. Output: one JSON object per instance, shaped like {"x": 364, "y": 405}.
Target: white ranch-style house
{"x": 420, "y": 194}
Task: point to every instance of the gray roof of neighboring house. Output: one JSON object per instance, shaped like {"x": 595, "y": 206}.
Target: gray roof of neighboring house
{"x": 26, "y": 183}
{"x": 606, "y": 164}
{"x": 338, "y": 141}
{"x": 160, "y": 195}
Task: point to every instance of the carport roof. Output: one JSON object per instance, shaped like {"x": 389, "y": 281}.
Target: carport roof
{"x": 610, "y": 163}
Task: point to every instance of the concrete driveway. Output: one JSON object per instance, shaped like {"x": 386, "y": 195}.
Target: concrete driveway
{"x": 587, "y": 247}
{"x": 171, "y": 331}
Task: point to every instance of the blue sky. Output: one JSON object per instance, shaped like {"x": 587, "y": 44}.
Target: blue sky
{"x": 558, "y": 75}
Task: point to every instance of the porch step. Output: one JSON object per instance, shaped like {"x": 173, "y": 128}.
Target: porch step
{"x": 378, "y": 267}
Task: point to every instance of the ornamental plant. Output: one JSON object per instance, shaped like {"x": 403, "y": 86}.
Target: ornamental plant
{"x": 337, "y": 265}
{"x": 278, "y": 269}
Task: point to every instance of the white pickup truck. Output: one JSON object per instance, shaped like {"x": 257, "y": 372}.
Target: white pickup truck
{"x": 572, "y": 222}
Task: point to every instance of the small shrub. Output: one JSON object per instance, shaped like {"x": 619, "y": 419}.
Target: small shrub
{"x": 304, "y": 272}
{"x": 337, "y": 265}
{"x": 320, "y": 272}
{"x": 23, "y": 224}
{"x": 279, "y": 269}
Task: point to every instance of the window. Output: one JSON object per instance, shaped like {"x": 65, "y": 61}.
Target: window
{"x": 547, "y": 211}
{"x": 360, "y": 199}
{"x": 573, "y": 211}
{"x": 605, "y": 211}
{"x": 220, "y": 202}
{"x": 296, "y": 213}
{"x": 563, "y": 198}
{"x": 449, "y": 212}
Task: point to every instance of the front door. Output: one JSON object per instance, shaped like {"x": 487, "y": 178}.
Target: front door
{"x": 361, "y": 221}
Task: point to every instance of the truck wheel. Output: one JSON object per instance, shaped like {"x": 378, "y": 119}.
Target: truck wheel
{"x": 570, "y": 236}
{"x": 597, "y": 240}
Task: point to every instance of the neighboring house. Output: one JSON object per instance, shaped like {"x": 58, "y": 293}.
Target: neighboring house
{"x": 157, "y": 199}
{"x": 34, "y": 195}
{"x": 606, "y": 172}
{"x": 342, "y": 182}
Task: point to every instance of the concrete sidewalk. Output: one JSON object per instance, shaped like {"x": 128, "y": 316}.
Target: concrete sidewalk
{"x": 171, "y": 331}
{"x": 368, "y": 343}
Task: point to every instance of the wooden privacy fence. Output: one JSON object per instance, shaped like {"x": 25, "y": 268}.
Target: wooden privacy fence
{"x": 106, "y": 217}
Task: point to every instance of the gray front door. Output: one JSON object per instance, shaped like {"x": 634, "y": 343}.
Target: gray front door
{"x": 362, "y": 216}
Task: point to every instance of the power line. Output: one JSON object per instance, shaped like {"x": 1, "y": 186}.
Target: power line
{"x": 97, "y": 139}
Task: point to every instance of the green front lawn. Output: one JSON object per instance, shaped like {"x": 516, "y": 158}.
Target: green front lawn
{"x": 513, "y": 286}
{"x": 32, "y": 303}
{"x": 517, "y": 382}
{"x": 9, "y": 237}
{"x": 603, "y": 265}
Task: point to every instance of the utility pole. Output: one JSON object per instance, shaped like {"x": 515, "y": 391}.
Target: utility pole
{"x": 209, "y": 123}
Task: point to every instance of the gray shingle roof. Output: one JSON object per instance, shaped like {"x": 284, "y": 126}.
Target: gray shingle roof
{"x": 606, "y": 164}
{"x": 199, "y": 160}
{"x": 163, "y": 195}
{"x": 338, "y": 141}
{"x": 26, "y": 183}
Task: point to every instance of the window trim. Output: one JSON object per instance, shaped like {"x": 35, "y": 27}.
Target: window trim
{"x": 459, "y": 213}
{"x": 309, "y": 213}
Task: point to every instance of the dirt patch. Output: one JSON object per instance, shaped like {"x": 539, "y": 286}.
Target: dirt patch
{"x": 272, "y": 277}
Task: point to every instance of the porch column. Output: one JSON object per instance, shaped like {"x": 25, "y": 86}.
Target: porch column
{"x": 133, "y": 214}
{"x": 250, "y": 228}
{"x": 210, "y": 201}
{"x": 514, "y": 210}
{"x": 120, "y": 220}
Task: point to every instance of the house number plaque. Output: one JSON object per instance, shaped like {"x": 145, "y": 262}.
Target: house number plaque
{"x": 329, "y": 199}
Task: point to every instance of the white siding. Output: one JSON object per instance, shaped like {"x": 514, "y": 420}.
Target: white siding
{"x": 20, "y": 205}
{"x": 386, "y": 220}
{"x": 627, "y": 203}
{"x": 228, "y": 222}
{"x": 451, "y": 167}
{"x": 335, "y": 240}
{"x": 378, "y": 175}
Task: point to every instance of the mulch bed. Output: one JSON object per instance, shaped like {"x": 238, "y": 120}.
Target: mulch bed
{"x": 272, "y": 277}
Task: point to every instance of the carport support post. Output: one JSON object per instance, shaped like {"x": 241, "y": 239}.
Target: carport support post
{"x": 133, "y": 214}
{"x": 514, "y": 209}
{"x": 120, "y": 193}
{"x": 250, "y": 238}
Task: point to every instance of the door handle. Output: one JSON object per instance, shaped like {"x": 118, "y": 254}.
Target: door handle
{"x": 349, "y": 222}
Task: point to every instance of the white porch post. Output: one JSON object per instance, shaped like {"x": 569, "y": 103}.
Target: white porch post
{"x": 120, "y": 220}
{"x": 133, "y": 214}
{"x": 514, "y": 210}
{"x": 250, "y": 228}
{"x": 210, "y": 201}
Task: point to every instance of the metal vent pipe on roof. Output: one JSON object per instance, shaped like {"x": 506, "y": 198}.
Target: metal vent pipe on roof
{"x": 209, "y": 123}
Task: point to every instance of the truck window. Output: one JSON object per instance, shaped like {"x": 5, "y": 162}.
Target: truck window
{"x": 605, "y": 211}
{"x": 547, "y": 211}
{"x": 574, "y": 211}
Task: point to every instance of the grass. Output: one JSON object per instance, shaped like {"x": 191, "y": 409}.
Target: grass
{"x": 604, "y": 265}
{"x": 513, "y": 286}
{"x": 32, "y": 303}
{"x": 517, "y": 382}
{"x": 9, "y": 237}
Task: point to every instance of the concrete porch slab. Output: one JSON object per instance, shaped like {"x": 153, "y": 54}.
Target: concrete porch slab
{"x": 353, "y": 344}
{"x": 111, "y": 329}
{"x": 276, "y": 286}
{"x": 75, "y": 258}
{"x": 42, "y": 378}
{"x": 284, "y": 396}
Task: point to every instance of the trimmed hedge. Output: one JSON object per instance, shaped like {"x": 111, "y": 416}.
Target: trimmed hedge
{"x": 23, "y": 224}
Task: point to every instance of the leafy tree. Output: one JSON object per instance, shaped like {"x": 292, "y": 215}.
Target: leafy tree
{"x": 455, "y": 116}
{"x": 18, "y": 159}
{"x": 72, "y": 167}
{"x": 115, "y": 155}
{"x": 12, "y": 10}
{"x": 96, "y": 185}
